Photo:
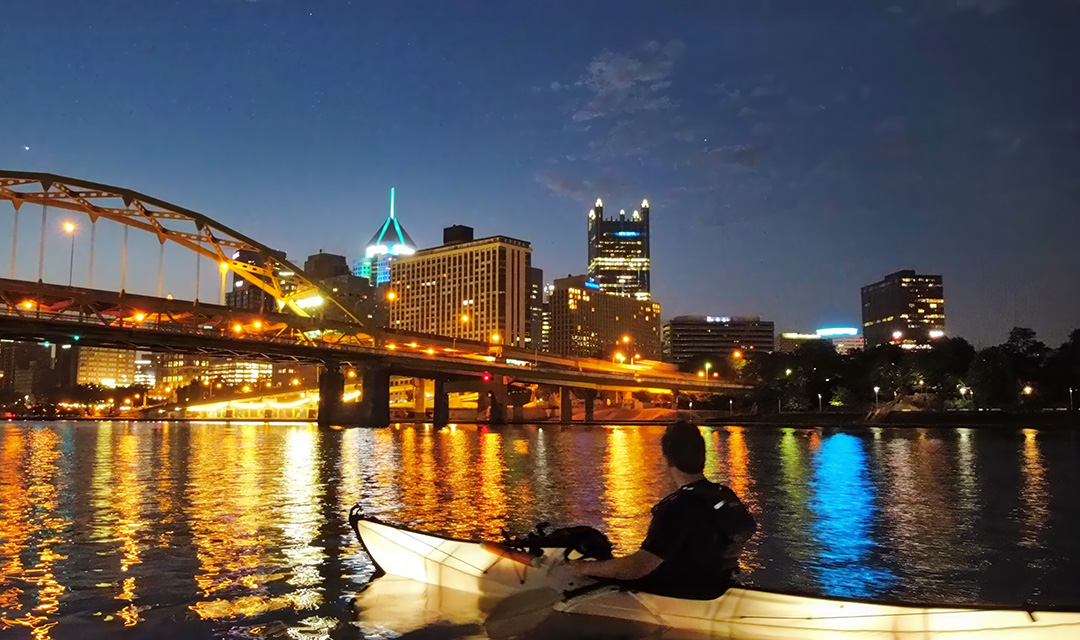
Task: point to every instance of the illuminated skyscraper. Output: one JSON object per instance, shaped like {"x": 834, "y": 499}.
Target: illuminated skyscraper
{"x": 474, "y": 289}
{"x": 586, "y": 322}
{"x": 389, "y": 242}
{"x": 619, "y": 251}
{"x": 905, "y": 308}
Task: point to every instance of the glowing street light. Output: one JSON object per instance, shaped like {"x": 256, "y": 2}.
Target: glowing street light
{"x": 708, "y": 365}
{"x": 618, "y": 356}
{"x": 820, "y": 410}
{"x": 1028, "y": 390}
{"x": 877, "y": 389}
{"x": 737, "y": 355}
{"x": 391, "y": 296}
{"x": 464, "y": 317}
{"x": 495, "y": 337}
{"x": 70, "y": 228}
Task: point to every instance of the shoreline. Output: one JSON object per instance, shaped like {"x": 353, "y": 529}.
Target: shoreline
{"x": 646, "y": 417}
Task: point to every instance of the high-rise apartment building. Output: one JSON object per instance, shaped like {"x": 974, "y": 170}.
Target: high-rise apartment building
{"x": 389, "y": 243}
{"x": 105, "y": 367}
{"x": 586, "y": 322}
{"x": 685, "y": 337}
{"x": 619, "y": 251}
{"x": 534, "y": 322}
{"x": 904, "y": 308}
{"x": 466, "y": 288}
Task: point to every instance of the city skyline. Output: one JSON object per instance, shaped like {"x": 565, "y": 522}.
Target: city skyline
{"x": 777, "y": 188}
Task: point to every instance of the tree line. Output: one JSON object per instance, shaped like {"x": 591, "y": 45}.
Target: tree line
{"x": 1021, "y": 373}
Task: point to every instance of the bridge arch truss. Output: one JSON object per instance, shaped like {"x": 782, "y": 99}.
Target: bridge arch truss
{"x": 284, "y": 281}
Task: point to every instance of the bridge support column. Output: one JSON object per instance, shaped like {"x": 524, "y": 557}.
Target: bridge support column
{"x": 566, "y": 405}
{"x": 419, "y": 397}
{"x": 375, "y": 405}
{"x": 331, "y": 389}
{"x": 498, "y": 411}
{"x": 440, "y": 415}
{"x": 482, "y": 403}
{"x": 590, "y": 404}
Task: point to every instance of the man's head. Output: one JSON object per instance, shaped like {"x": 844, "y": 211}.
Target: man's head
{"x": 684, "y": 448}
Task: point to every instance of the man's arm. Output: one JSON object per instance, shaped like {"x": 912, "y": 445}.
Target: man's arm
{"x": 636, "y": 565}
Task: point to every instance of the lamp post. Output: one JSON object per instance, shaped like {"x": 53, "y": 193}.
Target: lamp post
{"x": 70, "y": 228}
{"x": 876, "y": 390}
{"x": 731, "y": 406}
{"x": 820, "y": 410}
{"x": 963, "y": 394}
{"x": 708, "y": 365}
{"x": 1070, "y": 398}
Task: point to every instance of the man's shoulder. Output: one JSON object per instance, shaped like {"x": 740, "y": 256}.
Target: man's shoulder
{"x": 689, "y": 497}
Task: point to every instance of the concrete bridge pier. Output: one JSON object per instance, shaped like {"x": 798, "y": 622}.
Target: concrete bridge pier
{"x": 497, "y": 414}
{"x": 440, "y": 415}
{"x": 566, "y": 405}
{"x": 331, "y": 390}
{"x": 590, "y": 403}
{"x": 375, "y": 396}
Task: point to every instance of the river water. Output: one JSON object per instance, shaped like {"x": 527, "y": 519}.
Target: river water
{"x": 199, "y": 530}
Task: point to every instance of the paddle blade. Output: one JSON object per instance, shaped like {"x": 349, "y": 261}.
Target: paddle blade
{"x": 520, "y": 613}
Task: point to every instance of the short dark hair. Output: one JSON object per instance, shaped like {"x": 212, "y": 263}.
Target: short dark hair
{"x": 684, "y": 447}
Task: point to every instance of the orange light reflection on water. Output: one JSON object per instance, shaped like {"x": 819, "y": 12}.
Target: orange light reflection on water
{"x": 129, "y": 519}
{"x": 492, "y": 491}
{"x": 1033, "y": 493}
{"x": 227, "y": 516}
{"x": 628, "y": 496}
{"x": 460, "y": 481}
{"x": 29, "y": 523}
{"x": 420, "y": 504}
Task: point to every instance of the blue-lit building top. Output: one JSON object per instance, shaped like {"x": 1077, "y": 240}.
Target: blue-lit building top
{"x": 619, "y": 251}
{"x": 389, "y": 242}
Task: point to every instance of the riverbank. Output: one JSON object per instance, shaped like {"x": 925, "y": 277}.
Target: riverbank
{"x": 656, "y": 415}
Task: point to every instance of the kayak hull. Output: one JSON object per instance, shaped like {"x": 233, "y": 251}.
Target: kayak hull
{"x": 744, "y": 614}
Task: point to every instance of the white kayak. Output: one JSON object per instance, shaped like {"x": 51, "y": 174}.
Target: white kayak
{"x": 498, "y": 571}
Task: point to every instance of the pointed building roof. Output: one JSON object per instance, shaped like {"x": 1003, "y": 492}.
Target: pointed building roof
{"x": 391, "y": 235}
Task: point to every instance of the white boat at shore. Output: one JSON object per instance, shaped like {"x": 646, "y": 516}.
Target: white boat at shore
{"x": 497, "y": 571}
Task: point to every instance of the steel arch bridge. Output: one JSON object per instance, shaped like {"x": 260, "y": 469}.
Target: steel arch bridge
{"x": 170, "y": 223}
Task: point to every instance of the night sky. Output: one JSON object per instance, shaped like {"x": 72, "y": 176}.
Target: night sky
{"x": 791, "y": 151}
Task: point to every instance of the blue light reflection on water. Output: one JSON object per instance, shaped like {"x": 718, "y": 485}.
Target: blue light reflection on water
{"x": 844, "y": 503}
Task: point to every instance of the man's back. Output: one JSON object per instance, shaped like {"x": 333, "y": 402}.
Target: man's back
{"x": 697, "y": 531}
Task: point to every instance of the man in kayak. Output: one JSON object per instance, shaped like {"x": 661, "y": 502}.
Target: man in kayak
{"x": 692, "y": 547}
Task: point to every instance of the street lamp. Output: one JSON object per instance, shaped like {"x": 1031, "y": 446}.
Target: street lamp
{"x": 70, "y": 228}
{"x": 618, "y": 356}
{"x": 708, "y": 365}
{"x": 820, "y": 410}
{"x": 1070, "y": 398}
{"x": 876, "y": 390}
{"x": 731, "y": 406}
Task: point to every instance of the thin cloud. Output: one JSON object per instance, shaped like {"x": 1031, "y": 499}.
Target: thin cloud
{"x": 747, "y": 155}
{"x": 629, "y": 82}
{"x": 578, "y": 189}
